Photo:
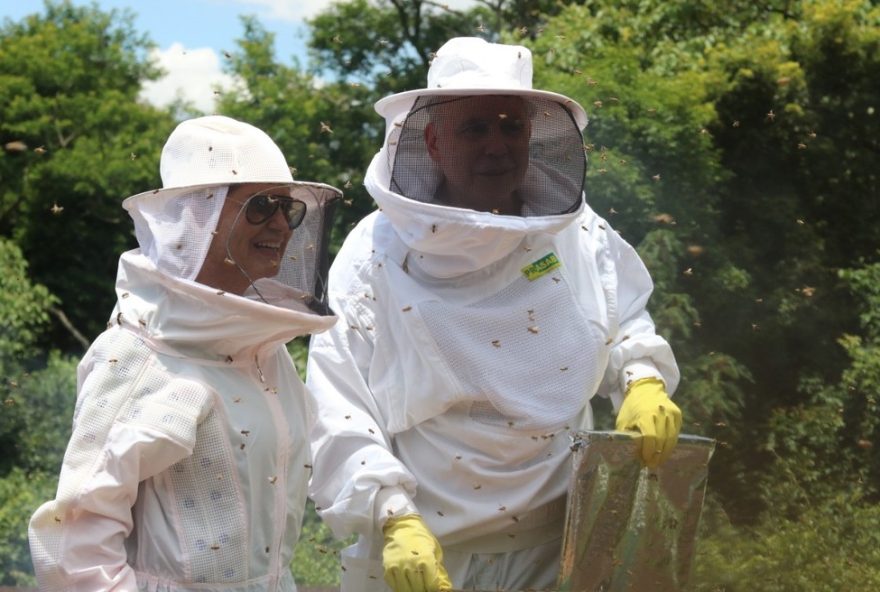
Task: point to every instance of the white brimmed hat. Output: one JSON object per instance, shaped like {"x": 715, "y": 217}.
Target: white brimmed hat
{"x": 216, "y": 151}
{"x": 472, "y": 66}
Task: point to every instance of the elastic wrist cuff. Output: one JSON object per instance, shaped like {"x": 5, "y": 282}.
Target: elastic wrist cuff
{"x": 637, "y": 370}
{"x": 392, "y": 502}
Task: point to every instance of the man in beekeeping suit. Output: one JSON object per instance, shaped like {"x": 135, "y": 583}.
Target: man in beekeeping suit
{"x": 481, "y": 308}
{"x": 189, "y": 460}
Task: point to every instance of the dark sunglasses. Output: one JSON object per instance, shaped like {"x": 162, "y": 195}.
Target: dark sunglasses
{"x": 262, "y": 207}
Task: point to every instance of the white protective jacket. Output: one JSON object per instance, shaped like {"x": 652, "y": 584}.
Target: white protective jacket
{"x": 452, "y": 380}
{"x": 188, "y": 463}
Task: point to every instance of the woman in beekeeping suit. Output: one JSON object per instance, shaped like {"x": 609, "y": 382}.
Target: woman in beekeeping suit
{"x": 482, "y": 307}
{"x": 188, "y": 463}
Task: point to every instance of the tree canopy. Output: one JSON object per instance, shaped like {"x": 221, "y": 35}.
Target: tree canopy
{"x": 77, "y": 141}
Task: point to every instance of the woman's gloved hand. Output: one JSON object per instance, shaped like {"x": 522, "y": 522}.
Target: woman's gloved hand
{"x": 412, "y": 557}
{"x": 648, "y": 409}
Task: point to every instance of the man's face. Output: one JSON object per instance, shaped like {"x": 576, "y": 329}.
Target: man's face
{"x": 240, "y": 247}
{"x": 481, "y": 145}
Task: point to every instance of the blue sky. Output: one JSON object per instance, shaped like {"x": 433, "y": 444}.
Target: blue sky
{"x": 192, "y": 35}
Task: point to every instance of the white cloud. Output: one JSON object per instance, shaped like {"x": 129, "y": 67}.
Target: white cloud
{"x": 191, "y": 74}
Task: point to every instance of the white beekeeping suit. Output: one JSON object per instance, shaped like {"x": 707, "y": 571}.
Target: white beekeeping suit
{"x": 471, "y": 339}
{"x": 188, "y": 462}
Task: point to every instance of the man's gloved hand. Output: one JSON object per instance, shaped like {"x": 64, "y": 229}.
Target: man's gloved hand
{"x": 412, "y": 557}
{"x": 648, "y": 409}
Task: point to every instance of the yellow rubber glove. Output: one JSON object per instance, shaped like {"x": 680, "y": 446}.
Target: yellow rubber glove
{"x": 648, "y": 409}
{"x": 412, "y": 557}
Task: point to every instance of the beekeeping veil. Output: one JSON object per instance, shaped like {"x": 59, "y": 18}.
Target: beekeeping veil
{"x": 480, "y": 92}
{"x": 202, "y": 159}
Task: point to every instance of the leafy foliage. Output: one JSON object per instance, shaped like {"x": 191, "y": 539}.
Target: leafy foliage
{"x": 37, "y": 415}
{"x": 76, "y": 142}
{"x": 826, "y": 445}
{"x": 385, "y": 45}
{"x": 316, "y": 558}
{"x": 24, "y": 307}
{"x": 31, "y": 438}
{"x": 22, "y": 493}
{"x": 825, "y": 548}
{"x": 707, "y": 133}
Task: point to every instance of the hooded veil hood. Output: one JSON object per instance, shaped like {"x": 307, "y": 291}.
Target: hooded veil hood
{"x": 405, "y": 179}
{"x": 202, "y": 159}
{"x": 159, "y": 296}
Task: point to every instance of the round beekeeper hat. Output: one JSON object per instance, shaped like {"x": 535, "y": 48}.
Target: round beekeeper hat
{"x": 472, "y": 66}
{"x": 216, "y": 151}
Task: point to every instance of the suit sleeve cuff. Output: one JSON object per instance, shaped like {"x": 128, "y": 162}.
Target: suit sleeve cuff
{"x": 637, "y": 370}
{"x": 392, "y": 502}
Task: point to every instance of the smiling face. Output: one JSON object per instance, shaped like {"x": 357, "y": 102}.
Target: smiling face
{"x": 241, "y": 251}
{"x": 481, "y": 145}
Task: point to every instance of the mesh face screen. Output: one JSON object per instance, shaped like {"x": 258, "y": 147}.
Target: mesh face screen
{"x": 489, "y": 151}
{"x": 177, "y": 232}
{"x": 303, "y": 263}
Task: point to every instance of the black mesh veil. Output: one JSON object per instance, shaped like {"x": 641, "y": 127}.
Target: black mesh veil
{"x": 307, "y": 259}
{"x": 469, "y": 151}
{"x": 304, "y": 264}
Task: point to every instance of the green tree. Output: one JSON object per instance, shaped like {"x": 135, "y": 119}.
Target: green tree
{"x": 819, "y": 528}
{"x": 37, "y": 414}
{"x": 800, "y": 142}
{"x": 35, "y": 418}
{"x": 386, "y": 45}
{"x": 35, "y": 425}
{"x": 77, "y": 141}
{"x": 825, "y": 445}
{"x": 24, "y": 307}
{"x": 827, "y": 548}
{"x": 22, "y": 493}
{"x": 37, "y": 401}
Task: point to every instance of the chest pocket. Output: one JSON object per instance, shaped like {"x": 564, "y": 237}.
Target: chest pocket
{"x": 526, "y": 354}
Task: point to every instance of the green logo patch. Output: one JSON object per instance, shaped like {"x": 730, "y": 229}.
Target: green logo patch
{"x": 547, "y": 263}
